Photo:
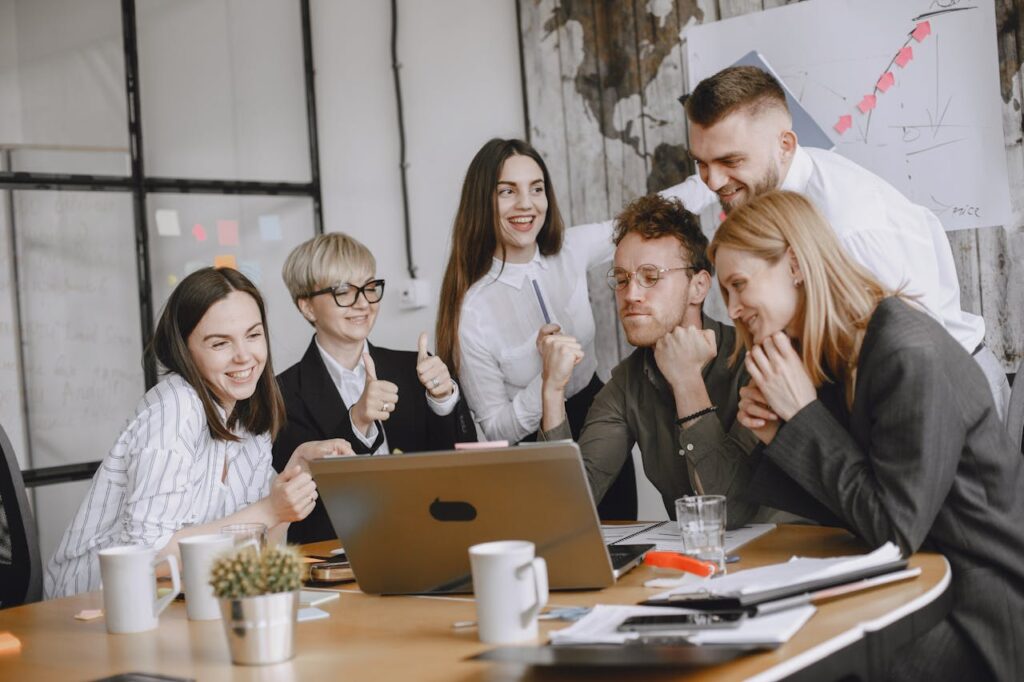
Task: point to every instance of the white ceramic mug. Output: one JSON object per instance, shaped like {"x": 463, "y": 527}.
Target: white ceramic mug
{"x": 511, "y": 588}
{"x": 129, "y": 587}
{"x": 197, "y": 555}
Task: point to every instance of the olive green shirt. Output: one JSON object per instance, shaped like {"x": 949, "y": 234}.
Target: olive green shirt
{"x": 712, "y": 456}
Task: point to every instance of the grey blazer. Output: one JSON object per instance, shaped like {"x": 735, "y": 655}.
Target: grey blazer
{"x": 922, "y": 459}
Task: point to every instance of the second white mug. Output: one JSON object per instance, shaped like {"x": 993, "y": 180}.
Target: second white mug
{"x": 511, "y": 588}
{"x": 197, "y": 555}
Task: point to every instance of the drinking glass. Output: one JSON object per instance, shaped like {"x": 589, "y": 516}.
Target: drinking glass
{"x": 701, "y": 520}
{"x": 244, "y": 532}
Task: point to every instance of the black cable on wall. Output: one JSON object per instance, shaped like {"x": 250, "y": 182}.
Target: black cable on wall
{"x": 395, "y": 66}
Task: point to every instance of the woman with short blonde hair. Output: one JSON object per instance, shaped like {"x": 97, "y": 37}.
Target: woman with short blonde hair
{"x": 380, "y": 400}
{"x": 875, "y": 418}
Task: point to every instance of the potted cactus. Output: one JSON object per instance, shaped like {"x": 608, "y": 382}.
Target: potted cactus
{"x": 259, "y": 600}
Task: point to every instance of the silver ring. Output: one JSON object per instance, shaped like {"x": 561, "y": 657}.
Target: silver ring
{"x": 434, "y": 383}
{"x": 387, "y": 407}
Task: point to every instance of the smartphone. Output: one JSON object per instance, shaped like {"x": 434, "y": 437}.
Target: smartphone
{"x": 683, "y": 621}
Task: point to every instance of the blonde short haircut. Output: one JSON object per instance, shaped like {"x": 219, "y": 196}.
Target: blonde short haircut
{"x": 323, "y": 261}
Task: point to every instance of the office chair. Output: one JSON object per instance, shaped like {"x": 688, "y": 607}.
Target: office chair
{"x": 1015, "y": 410}
{"x": 21, "y": 569}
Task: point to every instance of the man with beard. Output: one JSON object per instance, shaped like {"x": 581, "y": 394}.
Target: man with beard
{"x": 676, "y": 395}
{"x": 742, "y": 139}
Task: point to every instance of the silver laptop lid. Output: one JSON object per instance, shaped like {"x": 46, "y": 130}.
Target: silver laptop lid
{"x": 407, "y": 521}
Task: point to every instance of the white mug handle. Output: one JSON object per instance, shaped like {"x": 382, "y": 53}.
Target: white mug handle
{"x": 164, "y": 601}
{"x": 540, "y": 584}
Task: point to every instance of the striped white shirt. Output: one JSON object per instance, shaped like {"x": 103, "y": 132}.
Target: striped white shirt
{"x": 163, "y": 474}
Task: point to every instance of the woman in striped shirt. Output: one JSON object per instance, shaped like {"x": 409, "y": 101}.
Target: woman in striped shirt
{"x": 196, "y": 454}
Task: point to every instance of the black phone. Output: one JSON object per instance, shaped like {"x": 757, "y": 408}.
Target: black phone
{"x": 683, "y": 621}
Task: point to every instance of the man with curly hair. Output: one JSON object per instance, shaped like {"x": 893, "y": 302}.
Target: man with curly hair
{"x": 676, "y": 395}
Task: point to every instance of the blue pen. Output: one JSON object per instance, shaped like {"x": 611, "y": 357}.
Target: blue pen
{"x": 540, "y": 299}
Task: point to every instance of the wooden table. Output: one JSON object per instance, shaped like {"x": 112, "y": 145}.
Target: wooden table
{"x": 411, "y": 638}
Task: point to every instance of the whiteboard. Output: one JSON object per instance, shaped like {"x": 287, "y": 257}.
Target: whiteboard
{"x": 932, "y": 127}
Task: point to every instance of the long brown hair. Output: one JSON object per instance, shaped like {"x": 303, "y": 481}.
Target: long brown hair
{"x": 839, "y": 295}
{"x": 475, "y": 235}
{"x": 264, "y": 410}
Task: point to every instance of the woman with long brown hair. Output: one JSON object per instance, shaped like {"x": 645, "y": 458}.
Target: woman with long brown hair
{"x": 196, "y": 454}
{"x": 516, "y": 275}
{"x": 875, "y": 418}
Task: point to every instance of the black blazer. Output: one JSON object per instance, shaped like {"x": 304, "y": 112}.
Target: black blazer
{"x": 921, "y": 459}
{"x": 316, "y": 412}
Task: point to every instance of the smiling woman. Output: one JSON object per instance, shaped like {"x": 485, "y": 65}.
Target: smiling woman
{"x": 345, "y": 387}
{"x": 516, "y": 275}
{"x": 196, "y": 454}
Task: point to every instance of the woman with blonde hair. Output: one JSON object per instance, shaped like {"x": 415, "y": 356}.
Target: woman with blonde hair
{"x": 873, "y": 417}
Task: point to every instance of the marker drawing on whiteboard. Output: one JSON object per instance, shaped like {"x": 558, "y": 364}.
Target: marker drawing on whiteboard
{"x": 540, "y": 299}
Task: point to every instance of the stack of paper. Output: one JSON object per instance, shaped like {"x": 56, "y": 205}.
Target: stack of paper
{"x": 600, "y": 626}
{"x": 798, "y": 570}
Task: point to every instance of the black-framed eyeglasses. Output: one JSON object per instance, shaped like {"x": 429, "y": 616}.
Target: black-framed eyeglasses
{"x": 647, "y": 275}
{"x": 346, "y": 295}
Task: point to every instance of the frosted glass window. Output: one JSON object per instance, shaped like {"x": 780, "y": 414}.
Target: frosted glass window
{"x": 222, "y": 89}
{"x": 62, "y": 86}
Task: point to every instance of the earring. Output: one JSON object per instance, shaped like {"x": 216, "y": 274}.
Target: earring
{"x": 797, "y": 283}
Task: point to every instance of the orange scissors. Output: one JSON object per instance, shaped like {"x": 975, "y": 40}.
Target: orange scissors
{"x": 680, "y": 562}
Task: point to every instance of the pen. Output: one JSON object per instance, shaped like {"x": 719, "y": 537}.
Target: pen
{"x": 540, "y": 299}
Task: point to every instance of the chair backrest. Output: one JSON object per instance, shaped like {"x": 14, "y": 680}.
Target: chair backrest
{"x": 1015, "y": 410}
{"x": 21, "y": 569}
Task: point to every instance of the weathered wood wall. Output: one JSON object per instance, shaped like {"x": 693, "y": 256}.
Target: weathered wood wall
{"x": 602, "y": 81}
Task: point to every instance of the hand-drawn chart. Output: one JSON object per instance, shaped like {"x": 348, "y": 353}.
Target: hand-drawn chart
{"x": 907, "y": 88}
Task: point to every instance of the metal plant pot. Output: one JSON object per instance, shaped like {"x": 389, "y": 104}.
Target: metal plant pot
{"x": 261, "y": 629}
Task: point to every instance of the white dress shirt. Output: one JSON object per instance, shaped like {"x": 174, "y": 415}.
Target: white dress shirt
{"x": 499, "y": 364}
{"x": 350, "y": 384}
{"x": 163, "y": 474}
{"x": 899, "y": 242}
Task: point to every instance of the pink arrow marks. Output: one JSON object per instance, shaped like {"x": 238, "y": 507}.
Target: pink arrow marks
{"x": 921, "y": 31}
{"x": 904, "y": 56}
{"x": 867, "y": 104}
{"x": 886, "y": 81}
{"x": 844, "y": 124}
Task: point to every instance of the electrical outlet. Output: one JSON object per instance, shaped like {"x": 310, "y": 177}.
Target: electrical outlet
{"x": 414, "y": 293}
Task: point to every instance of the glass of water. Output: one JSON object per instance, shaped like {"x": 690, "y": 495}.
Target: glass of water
{"x": 244, "y": 532}
{"x": 701, "y": 520}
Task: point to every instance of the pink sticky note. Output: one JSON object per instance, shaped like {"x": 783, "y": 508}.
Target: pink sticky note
{"x": 867, "y": 104}
{"x": 199, "y": 233}
{"x": 843, "y": 124}
{"x": 227, "y": 232}
{"x": 886, "y": 81}
{"x": 225, "y": 261}
{"x": 904, "y": 55}
{"x": 921, "y": 31}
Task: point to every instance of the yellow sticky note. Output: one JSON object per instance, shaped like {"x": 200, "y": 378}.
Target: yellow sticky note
{"x": 172, "y": 280}
{"x": 9, "y": 644}
{"x": 89, "y": 614}
{"x": 225, "y": 261}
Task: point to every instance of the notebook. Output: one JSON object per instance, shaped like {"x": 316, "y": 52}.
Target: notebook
{"x": 407, "y": 521}
{"x": 798, "y": 576}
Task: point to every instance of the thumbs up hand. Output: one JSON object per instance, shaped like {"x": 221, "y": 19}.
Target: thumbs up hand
{"x": 432, "y": 371}
{"x": 378, "y": 400}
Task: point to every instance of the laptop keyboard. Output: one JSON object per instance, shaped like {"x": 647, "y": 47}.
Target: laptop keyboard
{"x": 623, "y": 555}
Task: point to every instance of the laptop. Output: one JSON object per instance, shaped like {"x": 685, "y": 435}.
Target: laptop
{"x": 407, "y": 521}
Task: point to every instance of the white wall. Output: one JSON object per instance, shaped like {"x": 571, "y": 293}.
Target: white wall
{"x": 460, "y": 87}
